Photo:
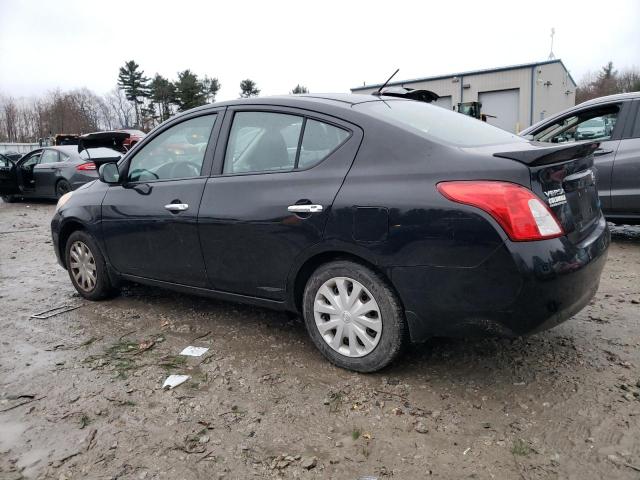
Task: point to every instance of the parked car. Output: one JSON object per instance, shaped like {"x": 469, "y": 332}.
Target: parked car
{"x": 380, "y": 220}
{"x": 12, "y": 155}
{"x": 51, "y": 172}
{"x": 119, "y": 140}
{"x": 614, "y": 121}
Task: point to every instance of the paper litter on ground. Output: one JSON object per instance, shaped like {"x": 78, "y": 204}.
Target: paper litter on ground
{"x": 173, "y": 381}
{"x": 194, "y": 351}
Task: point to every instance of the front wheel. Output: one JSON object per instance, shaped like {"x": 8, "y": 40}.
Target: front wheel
{"x": 87, "y": 267}
{"x": 354, "y": 317}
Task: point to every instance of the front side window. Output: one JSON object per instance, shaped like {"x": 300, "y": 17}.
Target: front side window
{"x": 593, "y": 124}
{"x": 31, "y": 161}
{"x": 262, "y": 142}
{"x": 49, "y": 156}
{"x": 175, "y": 153}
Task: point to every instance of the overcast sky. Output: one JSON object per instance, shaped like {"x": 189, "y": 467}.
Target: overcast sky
{"x": 329, "y": 46}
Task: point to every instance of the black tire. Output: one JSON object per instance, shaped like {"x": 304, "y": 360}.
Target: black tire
{"x": 9, "y": 198}
{"x": 62, "y": 187}
{"x": 394, "y": 336}
{"x": 102, "y": 287}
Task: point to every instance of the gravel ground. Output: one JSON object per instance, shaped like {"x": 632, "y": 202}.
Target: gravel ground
{"x": 81, "y": 396}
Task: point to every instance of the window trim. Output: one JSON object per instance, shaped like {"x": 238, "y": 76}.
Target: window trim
{"x": 305, "y": 114}
{"x": 207, "y": 159}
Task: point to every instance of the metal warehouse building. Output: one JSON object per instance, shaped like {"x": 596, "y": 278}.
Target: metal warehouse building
{"x": 517, "y": 96}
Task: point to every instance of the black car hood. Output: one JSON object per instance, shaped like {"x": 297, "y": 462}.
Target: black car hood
{"x": 113, "y": 140}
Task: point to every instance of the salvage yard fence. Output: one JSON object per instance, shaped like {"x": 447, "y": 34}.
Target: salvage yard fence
{"x": 18, "y": 147}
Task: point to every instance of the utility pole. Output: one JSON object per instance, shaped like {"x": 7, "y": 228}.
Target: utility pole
{"x": 551, "y": 55}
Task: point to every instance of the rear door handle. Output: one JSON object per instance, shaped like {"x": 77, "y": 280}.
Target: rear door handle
{"x": 177, "y": 207}
{"x": 304, "y": 208}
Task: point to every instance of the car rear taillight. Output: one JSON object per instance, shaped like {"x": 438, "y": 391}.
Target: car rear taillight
{"x": 521, "y": 214}
{"x": 86, "y": 166}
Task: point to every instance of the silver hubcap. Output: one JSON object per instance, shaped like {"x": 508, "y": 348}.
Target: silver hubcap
{"x": 347, "y": 317}
{"x": 83, "y": 266}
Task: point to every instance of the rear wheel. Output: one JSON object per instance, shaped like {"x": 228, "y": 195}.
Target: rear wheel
{"x": 87, "y": 267}
{"x": 353, "y": 317}
{"x": 62, "y": 187}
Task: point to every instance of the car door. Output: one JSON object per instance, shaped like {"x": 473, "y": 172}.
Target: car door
{"x": 45, "y": 173}
{"x": 602, "y": 123}
{"x": 268, "y": 199}
{"x": 625, "y": 178}
{"x": 149, "y": 220}
{"x": 8, "y": 176}
{"x": 26, "y": 165}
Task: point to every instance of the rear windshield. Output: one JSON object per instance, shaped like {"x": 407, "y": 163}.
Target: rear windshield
{"x": 439, "y": 124}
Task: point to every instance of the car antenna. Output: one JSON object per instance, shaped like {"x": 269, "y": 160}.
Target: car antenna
{"x": 388, "y": 80}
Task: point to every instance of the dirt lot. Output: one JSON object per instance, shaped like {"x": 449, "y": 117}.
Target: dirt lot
{"x": 81, "y": 397}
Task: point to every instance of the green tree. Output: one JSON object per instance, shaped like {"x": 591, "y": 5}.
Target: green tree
{"x": 135, "y": 85}
{"x": 248, "y": 88}
{"x": 210, "y": 87}
{"x": 300, "y": 89}
{"x": 189, "y": 91}
{"x": 163, "y": 94}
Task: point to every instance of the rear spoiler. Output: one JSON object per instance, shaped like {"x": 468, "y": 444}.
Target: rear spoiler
{"x": 426, "y": 96}
{"x": 538, "y": 153}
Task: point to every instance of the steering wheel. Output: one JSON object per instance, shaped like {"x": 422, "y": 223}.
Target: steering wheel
{"x": 191, "y": 165}
{"x": 138, "y": 172}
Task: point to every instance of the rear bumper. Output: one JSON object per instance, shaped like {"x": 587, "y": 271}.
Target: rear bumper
{"x": 522, "y": 288}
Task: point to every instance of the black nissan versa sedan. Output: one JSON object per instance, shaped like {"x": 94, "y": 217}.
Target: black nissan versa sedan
{"x": 381, "y": 220}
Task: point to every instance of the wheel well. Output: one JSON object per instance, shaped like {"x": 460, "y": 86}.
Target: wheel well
{"x": 65, "y": 233}
{"x": 313, "y": 263}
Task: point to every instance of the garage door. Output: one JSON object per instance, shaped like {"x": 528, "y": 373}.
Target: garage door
{"x": 504, "y": 105}
{"x": 444, "y": 102}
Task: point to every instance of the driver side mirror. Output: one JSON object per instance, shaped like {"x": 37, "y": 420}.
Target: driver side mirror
{"x": 109, "y": 173}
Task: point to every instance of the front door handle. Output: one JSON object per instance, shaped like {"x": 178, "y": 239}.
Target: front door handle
{"x": 601, "y": 151}
{"x": 304, "y": 208}
{"x": 177, "y": 207}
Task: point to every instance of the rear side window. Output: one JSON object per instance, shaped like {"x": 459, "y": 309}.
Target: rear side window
{"x": 272, "y": 142}
{"x": 438, "y": 124}
{"x": 318, "y": 141}
{"x": 262, "y": 142}
{"x": 49, "y": 156}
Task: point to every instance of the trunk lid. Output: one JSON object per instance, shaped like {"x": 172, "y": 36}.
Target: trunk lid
{"x": 564, "y": 177}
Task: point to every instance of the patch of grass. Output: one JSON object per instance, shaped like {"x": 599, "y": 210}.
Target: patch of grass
{"x": 355, "y": 433}
{"x": 84, "y": 420}
{"x": 520, "y": 447}
{"x": 173, "y": 362}
{"x": 88, "y": 342}
{"x": 335, "y": 401}
{"x": 122, "y": 366}
{"x": 121, "y": 347}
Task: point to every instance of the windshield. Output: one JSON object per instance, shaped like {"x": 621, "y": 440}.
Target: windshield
{"x": 439, "y": 124}
{"x": 593, "y": 123}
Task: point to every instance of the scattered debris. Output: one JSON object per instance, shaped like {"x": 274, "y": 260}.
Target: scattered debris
{"x": 173, "y": 381}
{"x": 308, "y": 462}
{"x": 191, "y": 351}
{"x": 52, "y": 312}
{"x": 29, "y": 400}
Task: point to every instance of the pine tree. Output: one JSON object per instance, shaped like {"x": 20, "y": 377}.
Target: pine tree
{"x": 163, "y": 94}
{"x": 189, "y": 91}
{"x": 248, "y": 88}
{"x": 211, "y": 87}
{"x": 135, "y": 85}
{"x": 300, "y": 89}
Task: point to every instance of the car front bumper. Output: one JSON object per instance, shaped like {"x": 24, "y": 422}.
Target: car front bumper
{"x": 522, "y": 288}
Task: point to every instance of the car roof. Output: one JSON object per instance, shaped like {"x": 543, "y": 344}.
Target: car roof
{"x": 610, "y": 98}
{"x": 67, "y": 149}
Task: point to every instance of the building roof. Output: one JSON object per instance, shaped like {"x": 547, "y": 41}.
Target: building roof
{"x": 464, "y": 74}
